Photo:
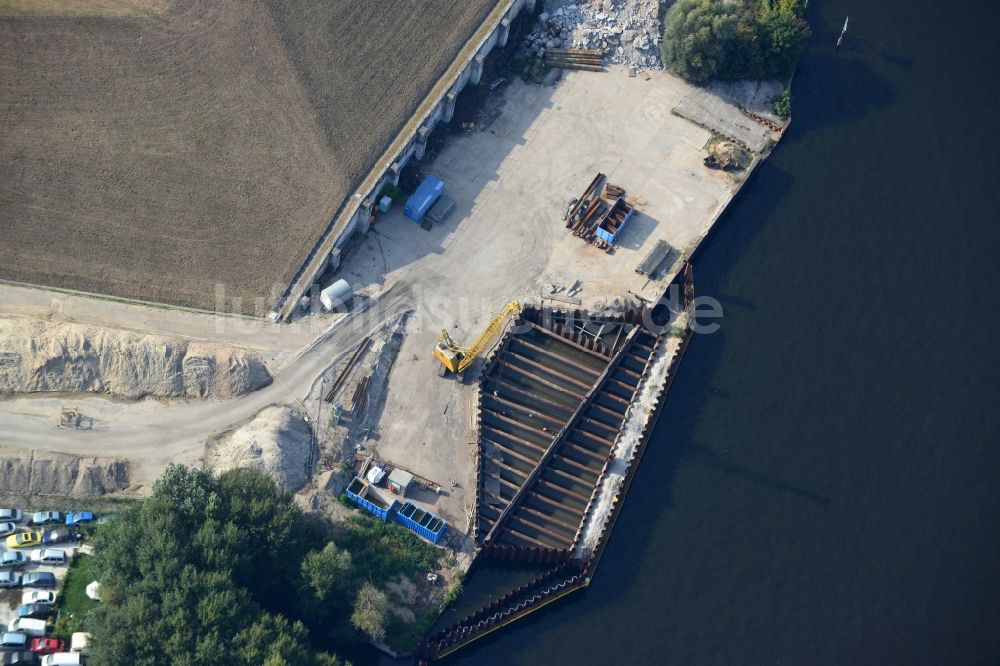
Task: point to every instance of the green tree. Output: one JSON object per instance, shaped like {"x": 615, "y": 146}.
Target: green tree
{"x": 200, "y": 572}
{"x": 370, "y": 612}
{"x": 783, "y": 36}
{"x": 782, "y": 104}
{"x": 190, "y": 490}
{"x": 274, "y": 641}
{"x": 733, "y": 39}
{"x": 325, "y": 570}
{"x": 699, "y": 38}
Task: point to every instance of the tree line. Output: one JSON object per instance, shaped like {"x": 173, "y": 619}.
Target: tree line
{"x": 228, "y": 570}
{"x": 705, "y": 40}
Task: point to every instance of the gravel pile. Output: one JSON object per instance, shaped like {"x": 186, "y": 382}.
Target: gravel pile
{"x": 627, "y": 31}
{"x": 38, "y": 355}
{"x": 277, "y": 442}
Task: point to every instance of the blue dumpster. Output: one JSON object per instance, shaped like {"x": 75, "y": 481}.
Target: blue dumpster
{"x": 369, "y": 499}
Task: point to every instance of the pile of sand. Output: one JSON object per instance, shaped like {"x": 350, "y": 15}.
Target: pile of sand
{"x": 277, "y": 441}
{"x": 34, "y": 473}
{"x": 37, "y": 355}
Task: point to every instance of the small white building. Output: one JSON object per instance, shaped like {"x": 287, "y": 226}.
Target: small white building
{"x": 399, "y": 481}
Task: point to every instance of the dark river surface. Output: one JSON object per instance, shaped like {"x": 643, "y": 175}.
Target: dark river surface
{"x": 823, "y": 486}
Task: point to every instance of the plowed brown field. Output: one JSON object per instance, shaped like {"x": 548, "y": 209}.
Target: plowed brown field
{"x": 157, "y": 150}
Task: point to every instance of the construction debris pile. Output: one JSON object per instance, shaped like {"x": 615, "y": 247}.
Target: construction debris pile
{"x": 600, "y": 214}
{"x": 626, "y": 32}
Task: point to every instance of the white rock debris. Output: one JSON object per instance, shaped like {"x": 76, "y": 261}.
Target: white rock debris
{"x": 277, "y": 441}
{"x": 627, "y": 31}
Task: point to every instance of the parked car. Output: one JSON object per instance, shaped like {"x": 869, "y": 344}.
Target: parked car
{"x": 24, "y": 540}
{"x": 62, "y": 659}
{"x": 48, "y": 556}
{"x": 9, "y": 579}
{"x": 25, "y": 658}
{"x": 38, "y": 597}
{"x": 47, "y": 645}
{"x": 79, "y": 517}
{"x": 46, "y": 518}
{"x": 13, "y": 559}
{"x": 7, "y": 528}
{"x": 29, "y": 626}
{"x": 61, "y": 535}
{"x": 12, "y": 640}
{"x": 39, "y": 579}
{"x": 12, "y": 515}
{"x": 40, "y": 611}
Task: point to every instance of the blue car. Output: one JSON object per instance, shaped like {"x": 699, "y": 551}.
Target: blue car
{"x": 40, "y": 611}
{"x": 79, "y": 517}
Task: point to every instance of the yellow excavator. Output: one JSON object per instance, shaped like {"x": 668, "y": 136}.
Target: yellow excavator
{"x": 456, "y": 358}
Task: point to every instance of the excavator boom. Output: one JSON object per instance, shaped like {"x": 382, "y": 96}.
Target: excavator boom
{"x": 456, "y": 358}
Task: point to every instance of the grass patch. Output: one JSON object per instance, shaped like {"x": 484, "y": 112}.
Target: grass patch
{"x": 385, "y": 550}
{"x": 73, "y": 603}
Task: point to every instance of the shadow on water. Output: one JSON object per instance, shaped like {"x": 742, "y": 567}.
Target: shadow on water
{"x": 705, "y": 456}
{"x": 851, "y": 90}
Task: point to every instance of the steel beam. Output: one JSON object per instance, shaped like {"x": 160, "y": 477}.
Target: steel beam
{"x": 525, "y": 393}
{"x": 573, "y": 343}
{"x": 545, "y": 516}
{"x": 529, "y": 412}
{"x": 557, "y": 357}
{"x": 577, "y": 396}
{"x": 519, "y": 440}
{"x": 549, "y": 369}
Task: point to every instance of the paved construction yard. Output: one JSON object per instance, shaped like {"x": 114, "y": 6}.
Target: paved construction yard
{"x": 506, "y": 240}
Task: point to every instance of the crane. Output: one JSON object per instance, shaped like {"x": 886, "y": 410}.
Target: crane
{"x": 456, "y": 358}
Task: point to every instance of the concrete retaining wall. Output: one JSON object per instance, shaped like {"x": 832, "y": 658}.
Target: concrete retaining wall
{"x": 356, "y": 216}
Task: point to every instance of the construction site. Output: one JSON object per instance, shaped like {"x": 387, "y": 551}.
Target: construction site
{"x": 475, "y": 342}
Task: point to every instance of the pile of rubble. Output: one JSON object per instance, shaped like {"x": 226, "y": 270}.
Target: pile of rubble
{"x": 626, "y": 31}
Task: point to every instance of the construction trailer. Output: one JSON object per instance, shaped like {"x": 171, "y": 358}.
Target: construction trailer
{"x": 421, "y": 201}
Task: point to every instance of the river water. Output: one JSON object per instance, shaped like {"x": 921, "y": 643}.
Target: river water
{"x": 823, "y": 486}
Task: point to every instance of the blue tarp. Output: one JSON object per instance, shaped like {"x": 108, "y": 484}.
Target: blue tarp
{"x": 421, "y": 201}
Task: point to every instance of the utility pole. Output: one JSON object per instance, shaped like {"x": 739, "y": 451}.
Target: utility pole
{"x": 842, "y": 31}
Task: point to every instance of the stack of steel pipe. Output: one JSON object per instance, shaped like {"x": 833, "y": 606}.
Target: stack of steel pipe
{"x": 591, "y": 60}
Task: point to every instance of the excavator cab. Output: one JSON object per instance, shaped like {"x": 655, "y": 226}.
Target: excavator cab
{"x": 449, "y": 353}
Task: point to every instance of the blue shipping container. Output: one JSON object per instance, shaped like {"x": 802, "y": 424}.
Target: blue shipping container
{"x": 612, "y": 238}
{"x": 421, "y": 201}
{"x": 424, "y": 523}
{"x": 358, "y": 492}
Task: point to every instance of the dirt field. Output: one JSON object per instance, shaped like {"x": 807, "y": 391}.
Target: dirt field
{"x": 158, "y": 150}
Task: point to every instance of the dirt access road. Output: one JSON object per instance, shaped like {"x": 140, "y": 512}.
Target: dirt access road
{"x": 151, "y": 433}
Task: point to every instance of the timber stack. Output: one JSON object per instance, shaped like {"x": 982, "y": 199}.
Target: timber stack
{"x": 591, "y": 60}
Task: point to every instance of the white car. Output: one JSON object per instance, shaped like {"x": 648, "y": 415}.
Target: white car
{"x": 12, "y": 515}
{"x": 6, "y": 529}
{"x": 38, "y": 597}
{"x": 48, "y": 556}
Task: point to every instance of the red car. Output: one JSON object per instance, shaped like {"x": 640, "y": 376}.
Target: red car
{"x": 47, "y": 645}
